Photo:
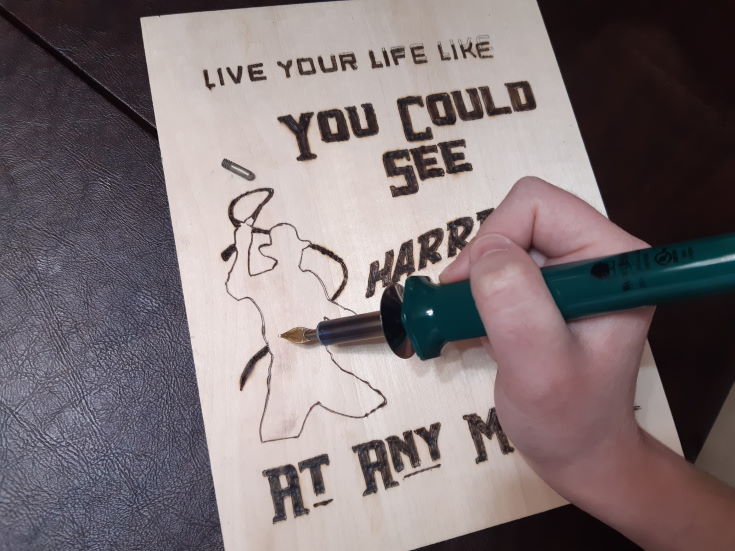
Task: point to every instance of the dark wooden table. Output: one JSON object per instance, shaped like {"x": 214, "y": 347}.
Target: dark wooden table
{"x": 101, "y": 438}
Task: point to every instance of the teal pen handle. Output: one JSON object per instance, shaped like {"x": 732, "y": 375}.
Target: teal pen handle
{"x": 433, "y": 315}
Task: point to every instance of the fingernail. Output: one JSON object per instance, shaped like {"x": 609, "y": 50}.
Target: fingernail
{"x": 489, "y": 244}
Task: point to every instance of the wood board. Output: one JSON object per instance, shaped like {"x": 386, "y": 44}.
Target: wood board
{"x": 381, "y": 134}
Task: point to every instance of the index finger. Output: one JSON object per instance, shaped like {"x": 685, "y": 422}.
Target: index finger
{"x": 559, "y": 225}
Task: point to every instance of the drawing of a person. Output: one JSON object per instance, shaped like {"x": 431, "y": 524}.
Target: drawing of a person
{"x": 268, "y": 270}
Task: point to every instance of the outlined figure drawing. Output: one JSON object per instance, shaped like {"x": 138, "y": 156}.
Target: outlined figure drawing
{"x": 268, "y": 270}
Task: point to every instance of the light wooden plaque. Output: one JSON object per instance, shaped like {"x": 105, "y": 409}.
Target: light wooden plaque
{"x": 380, "y": 133}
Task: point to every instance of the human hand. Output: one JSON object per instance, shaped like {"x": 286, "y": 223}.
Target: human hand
{"x": 564, "y": 391}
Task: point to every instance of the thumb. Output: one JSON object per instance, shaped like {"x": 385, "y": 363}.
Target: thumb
{"x": 524, "y": 325}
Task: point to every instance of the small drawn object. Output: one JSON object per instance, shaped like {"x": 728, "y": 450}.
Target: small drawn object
{"x": 238, "y": 169}
{"x": 275, "y": 269}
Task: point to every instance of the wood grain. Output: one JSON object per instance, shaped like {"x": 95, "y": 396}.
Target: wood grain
{"x": 668, "y": 184}
{"x": 373, "y": 417}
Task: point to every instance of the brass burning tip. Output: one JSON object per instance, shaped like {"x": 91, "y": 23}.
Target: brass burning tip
{"x": 300, "y": 335}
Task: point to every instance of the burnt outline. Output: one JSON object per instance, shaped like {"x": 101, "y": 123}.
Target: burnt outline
{"x": 266, "y": 349}
{"x": 409, "y": 475}
{"x": 252, "y": 362}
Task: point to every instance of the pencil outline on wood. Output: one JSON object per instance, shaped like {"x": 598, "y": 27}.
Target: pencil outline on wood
{"x": 266, "y": 350}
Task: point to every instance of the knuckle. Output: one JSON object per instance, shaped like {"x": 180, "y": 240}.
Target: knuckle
{"x": 501, "y": 279}
{"x": 510, "y": 274}
{"x": 529, "y": 185}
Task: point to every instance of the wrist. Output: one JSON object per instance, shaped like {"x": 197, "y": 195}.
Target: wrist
{"x": 609, "y": 463}
{"x": 650, "y": 494}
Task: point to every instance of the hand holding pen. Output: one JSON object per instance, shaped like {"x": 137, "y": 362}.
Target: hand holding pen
{"x": 564, "y": 390}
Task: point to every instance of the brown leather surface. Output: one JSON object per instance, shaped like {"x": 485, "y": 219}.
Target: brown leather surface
{"x": 101, "y": 438}
{"x": 103, "y": 40}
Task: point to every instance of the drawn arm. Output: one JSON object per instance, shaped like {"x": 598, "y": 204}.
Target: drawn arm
{"x": 328, "y": 267}
{"x": 257, "y": 261}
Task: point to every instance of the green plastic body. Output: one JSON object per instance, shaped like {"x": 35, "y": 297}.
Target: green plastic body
{"x": 436, "y": 314}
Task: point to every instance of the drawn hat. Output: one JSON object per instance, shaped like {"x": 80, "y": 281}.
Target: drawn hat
{"x": 248, "y": 205}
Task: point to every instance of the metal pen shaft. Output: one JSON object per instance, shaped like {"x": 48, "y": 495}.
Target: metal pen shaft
{"x": 350, "y": 329}
{"x": 384, "y": 325}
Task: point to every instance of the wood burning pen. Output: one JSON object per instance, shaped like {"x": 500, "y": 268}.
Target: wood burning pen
{"x": 422, "y": 316}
